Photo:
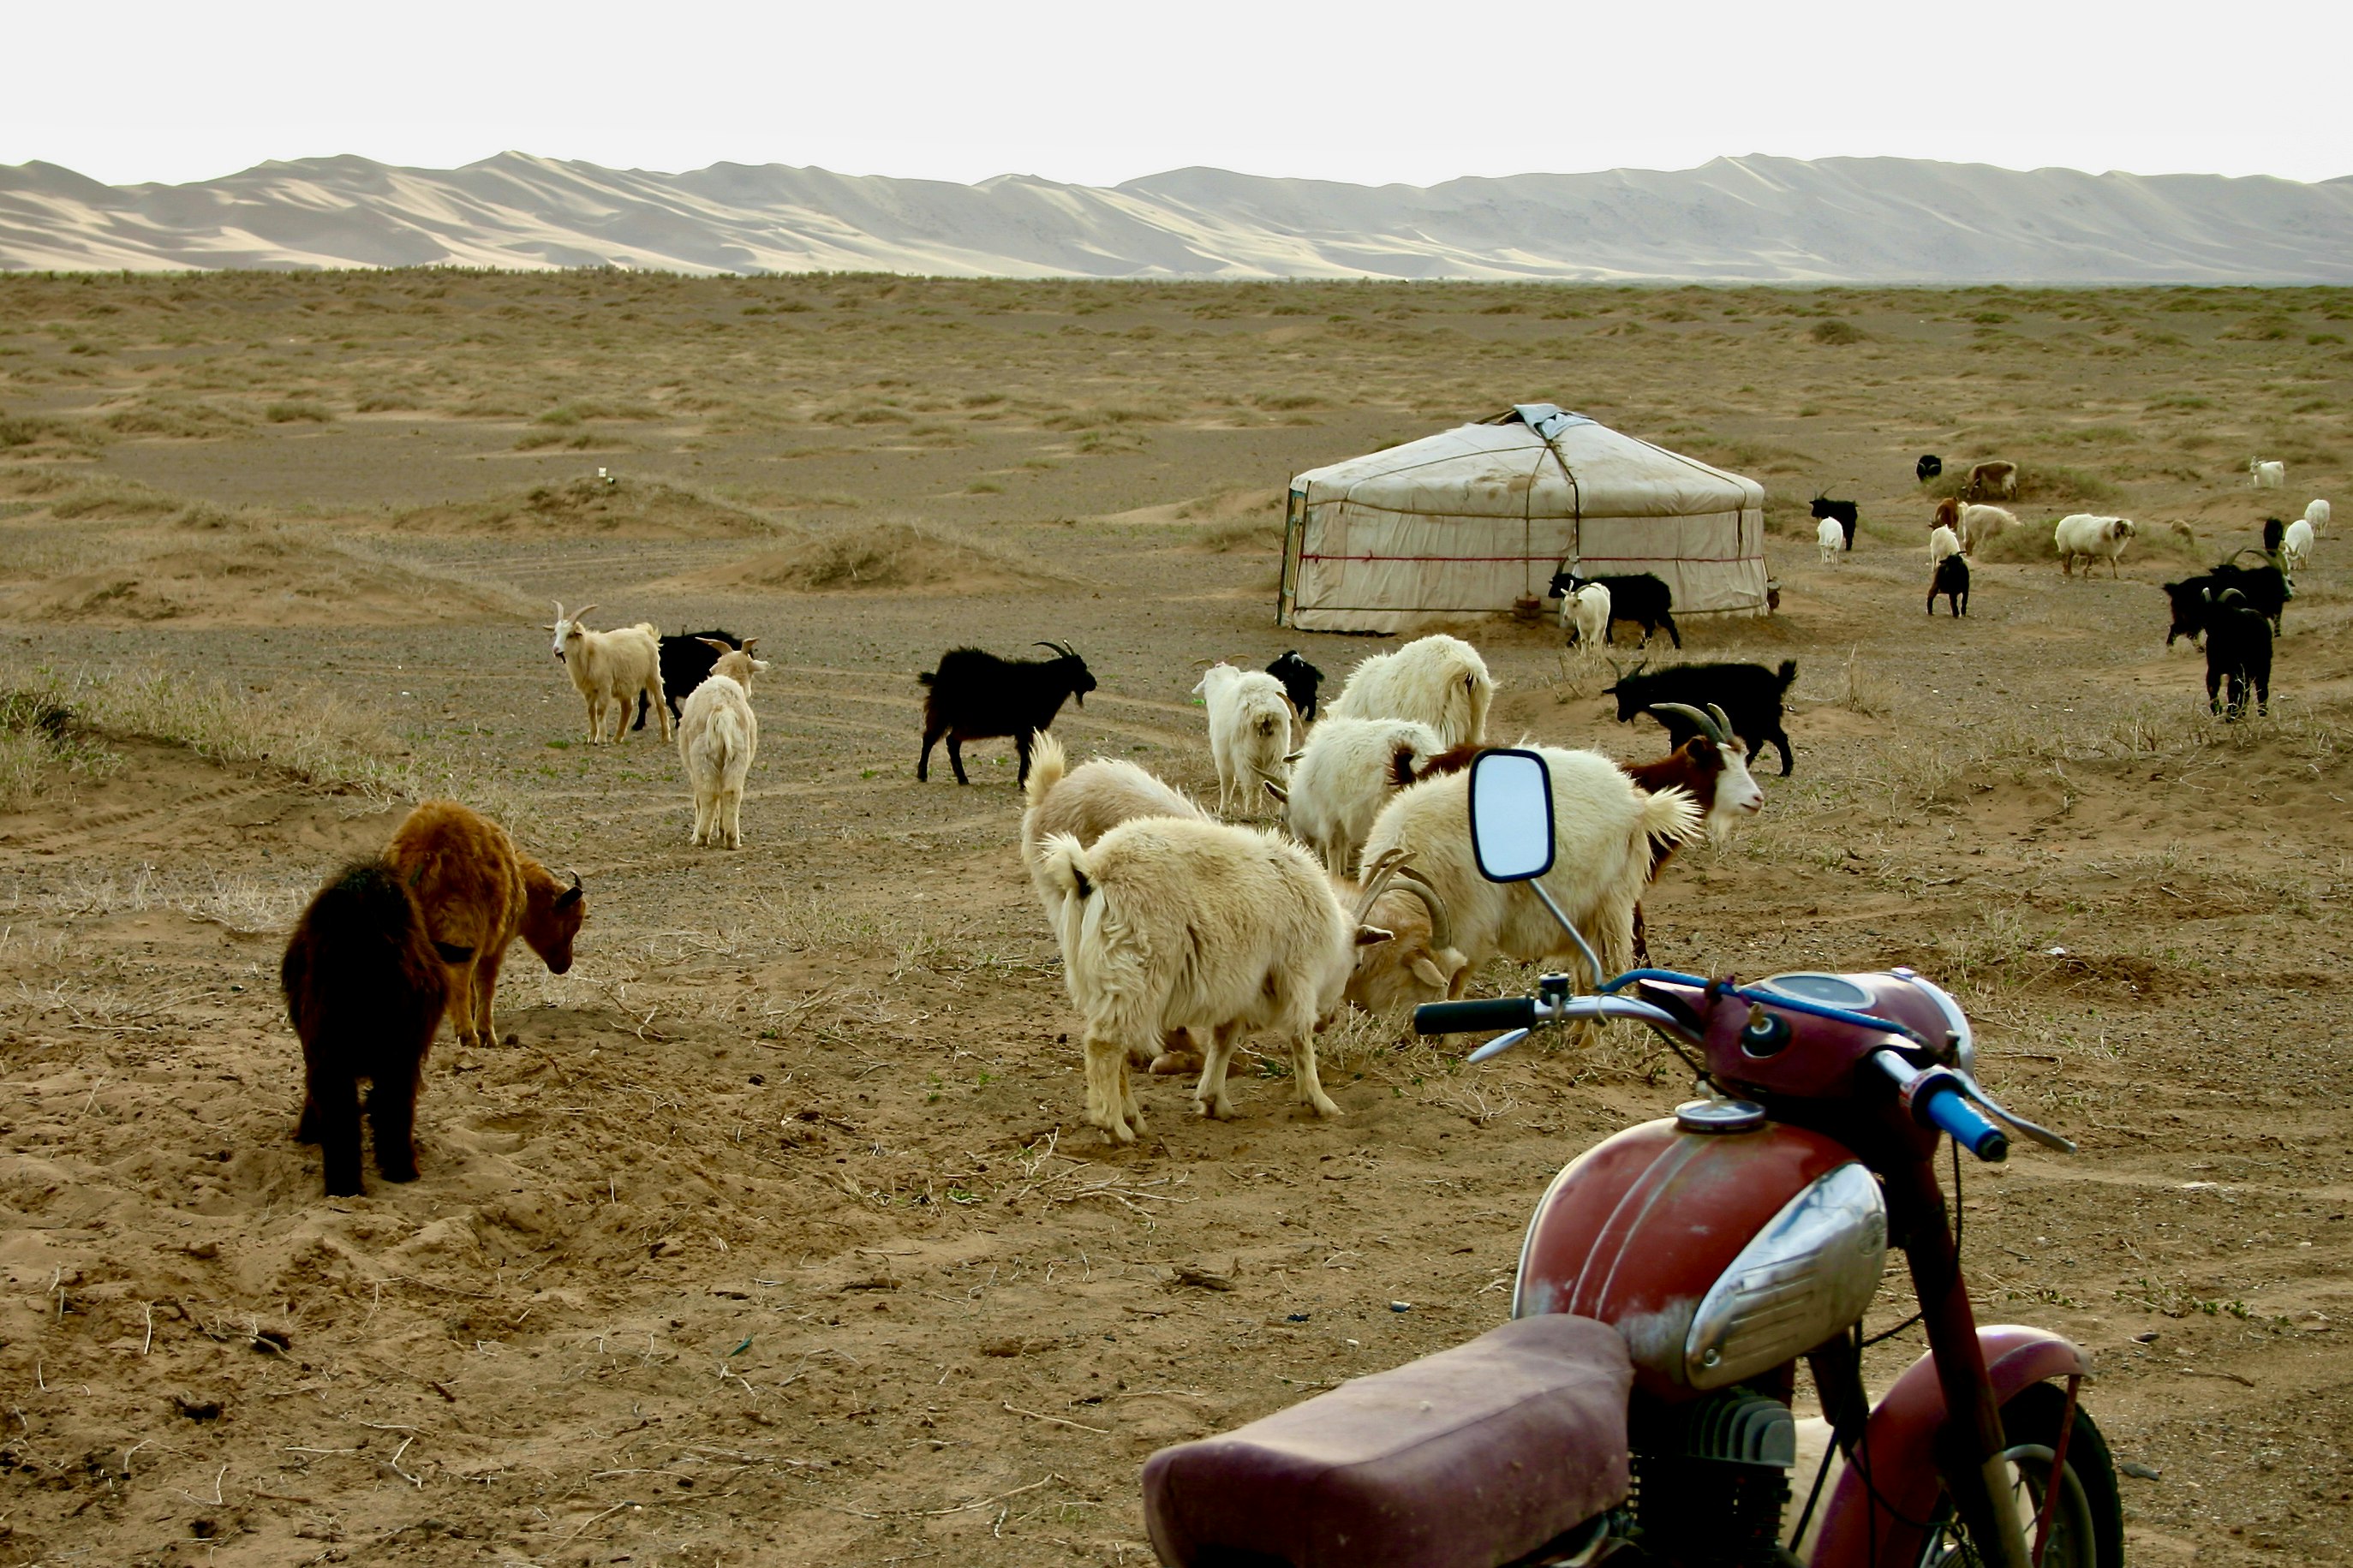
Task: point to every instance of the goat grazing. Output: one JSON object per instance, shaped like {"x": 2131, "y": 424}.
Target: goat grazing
{"x": 718, "y": 736}
{"x": 1952, "y": 580}
{"x": 1440, "y": 681}
{"x": 2262, "y": 589}
{"x": 479, "y": 893}
{"x": 2089, "y": 537}
{"x": 1927, "y": 468}
{"x": 1994, "y": 478}
{"x": 1752, "y": 694}
{"x": 1982, "y": 524}
{"x": 1300, "y": 681}
{"x": 1829, "y": 539}
{"x": 1344, "y": 774}
{"x": 1249, "y": 731}
{"x": 610, "y": 668}
{"x": 1168, "y": 924}
{"x": 2295, "y": 546}
{"x": 1641, "y": 597}
{"x": 2238, "y": 650}
{"x": 977, "y": 696}
{"x": 2262, "y": 476}
{"x": 686, "y": 660}
{"x": 1585, "y": 617}
{"x": 1843, "y": 512}
{"x": 364, "y": 989}
{"x": 2317, "y": 513}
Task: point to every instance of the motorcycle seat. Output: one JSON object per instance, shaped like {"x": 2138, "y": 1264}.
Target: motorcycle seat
{"x": 1467, "y": 1459}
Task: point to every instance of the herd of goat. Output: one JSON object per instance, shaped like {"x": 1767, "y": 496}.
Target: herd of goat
{"x": 1181, "y": 932}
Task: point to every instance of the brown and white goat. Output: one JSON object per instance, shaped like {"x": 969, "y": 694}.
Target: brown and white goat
{"x": 364, "y": 989}
{"x": 479, "y": 893}
{"x": 1710, "y": 768}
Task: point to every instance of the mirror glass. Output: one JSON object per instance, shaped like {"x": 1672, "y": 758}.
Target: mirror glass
{"x": 1511, "y": 815}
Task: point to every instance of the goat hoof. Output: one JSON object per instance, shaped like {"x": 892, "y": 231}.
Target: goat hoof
{"x": 1328, "y": 1110}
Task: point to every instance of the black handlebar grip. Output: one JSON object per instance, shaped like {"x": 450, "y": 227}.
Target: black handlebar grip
{"x": 1468, "y": 1017}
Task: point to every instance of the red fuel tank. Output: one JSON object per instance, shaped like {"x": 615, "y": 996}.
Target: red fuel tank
{"x": 1716, "y": 1254}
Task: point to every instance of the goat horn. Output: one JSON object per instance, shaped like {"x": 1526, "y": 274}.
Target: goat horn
{"x": 1374, "y": 887}
{"x": 1442, "y": 924}
{"x": 575, "y": 881}
{"x": 1707, "y": 725}
{"x": 1722, "y": 722}
{"x": 1050, "y": 648}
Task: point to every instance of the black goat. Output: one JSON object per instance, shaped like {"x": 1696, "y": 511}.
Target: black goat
{"x": 1300, "y": 679}
{"x": 365, "y": 987}
{"x": 1952, "y": 580}
{"x": 2262, "y": 589}
{"x": 2238, "y": 650}
{"x": 1749, "y": 694}
{"x": 2275, "y": 533}
{"x": 1641, "y": 597}
{"x": 977, "y": 696}
{"x": 686, "y": 661}
{"x": 1927, "y": 468}
{"x": 1846, "y": 512}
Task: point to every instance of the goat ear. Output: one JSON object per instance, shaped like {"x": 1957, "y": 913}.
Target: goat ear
{"x": 723, "y": 646}
{"x": 1373, "y": 936}
{"x": 571, "y": 895}
{"x": 747, "y": 645}
{"x": 1429, "y": 973}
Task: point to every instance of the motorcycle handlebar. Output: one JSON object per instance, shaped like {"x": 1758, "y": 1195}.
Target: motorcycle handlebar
{"x": 1489, "y": 1013}
{"x": 1950, "y": 1109}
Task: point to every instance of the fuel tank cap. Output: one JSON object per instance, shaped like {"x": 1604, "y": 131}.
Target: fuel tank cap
{"x": 1719, "y": 1116}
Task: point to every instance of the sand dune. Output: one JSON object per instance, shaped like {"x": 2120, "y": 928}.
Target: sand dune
{"x": 1746, "y": 219}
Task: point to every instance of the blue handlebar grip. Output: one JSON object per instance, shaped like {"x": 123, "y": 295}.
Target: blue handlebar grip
{"x": 1471, "y": 1017}
{"x": 1950, "y": 1109}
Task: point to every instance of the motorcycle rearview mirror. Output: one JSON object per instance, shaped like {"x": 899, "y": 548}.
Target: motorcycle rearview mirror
{"x": 1511, "y": 814}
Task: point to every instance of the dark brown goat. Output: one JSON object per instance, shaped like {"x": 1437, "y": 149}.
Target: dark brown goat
{"x": 364, "y": 989}
{"x": 480, "y": 892}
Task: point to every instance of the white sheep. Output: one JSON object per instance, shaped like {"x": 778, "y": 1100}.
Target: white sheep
{"x": 1344, "y": 774}
{"x": 1168, "y": 924}
{"x": 1249, "y": 731}
{"x": 1438, "y": 681}
{"x": 718, "y": 736}
{"x": 2089, "y": 537}
{"x": 611, "y": 668}
{"x": 1829, "y": 539}
{"x": 2317, "y": 513}
{"x": 1585, "y": 617}
{"x": 1981, "y": 524}
{"x": 2296, "y": 545}
{"x": 1604, "y": 828}
{"x": 2262, "y": 476}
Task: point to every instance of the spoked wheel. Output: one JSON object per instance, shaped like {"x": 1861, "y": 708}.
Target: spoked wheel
{"x": 2087, "y": 1527}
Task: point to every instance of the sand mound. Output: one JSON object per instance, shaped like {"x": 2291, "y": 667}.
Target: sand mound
{"x": 625, "y": 508}
{"x": 231, "y": 576}
{"x": 895, "y": 555}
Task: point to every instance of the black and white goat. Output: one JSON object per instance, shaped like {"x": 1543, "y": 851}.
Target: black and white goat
{"x": 977, "y": 696}
{"x": 1641, "y": 597}
{"x": 1843, "y": 513}
{"x": 686, "y": 661}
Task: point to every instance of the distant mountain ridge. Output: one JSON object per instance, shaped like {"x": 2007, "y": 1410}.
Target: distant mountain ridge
{"x": 1755, "y": 220}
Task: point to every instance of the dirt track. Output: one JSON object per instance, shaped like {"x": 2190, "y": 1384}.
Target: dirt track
{"x": 777, "y": 1237}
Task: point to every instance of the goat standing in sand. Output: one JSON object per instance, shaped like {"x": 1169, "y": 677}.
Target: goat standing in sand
{"x": 718, "y": 736}
{"x": 610, "y": 668}
{"x": 480, "y": 892}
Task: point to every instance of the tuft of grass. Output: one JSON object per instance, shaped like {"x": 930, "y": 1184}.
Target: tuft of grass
{"x": 40, "y": 739}
{"x": 298, "y": 410}
{"x": 1837, "y": 331}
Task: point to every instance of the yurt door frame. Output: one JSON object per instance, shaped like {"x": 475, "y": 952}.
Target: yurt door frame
{"x": 1294, "y": 522}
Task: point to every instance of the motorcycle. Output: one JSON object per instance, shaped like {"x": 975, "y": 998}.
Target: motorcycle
{"x": 1637, "y": 1408}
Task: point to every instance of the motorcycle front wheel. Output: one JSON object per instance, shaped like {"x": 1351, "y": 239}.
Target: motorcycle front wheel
{"x": 2087, "y": 1527}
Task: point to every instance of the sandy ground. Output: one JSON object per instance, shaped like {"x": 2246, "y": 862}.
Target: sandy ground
{"x": 775, "y": 1235}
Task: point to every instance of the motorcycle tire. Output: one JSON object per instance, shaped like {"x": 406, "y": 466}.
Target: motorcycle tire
{"x": 2088, "y": 1529}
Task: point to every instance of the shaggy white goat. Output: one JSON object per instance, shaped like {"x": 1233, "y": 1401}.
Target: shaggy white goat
{"x": 1585, "y": 617}
{"x": 1439, "y": 680}
{"x": 1249, "y": 731}
{"x": 2296, "y": 545}
{"x": 2089, "y": 538}
{"x": 1829, "y": 539}
{"x": 1982, "y": 524}
{"x": 1344, "y": 774}
{"x": 1942, "y": 542}
{"x": 2316, "y": 514}
{"x": 1167, "y": 923}
{"x": 718, "y": 736}
{"x": 610, "y": 668}
{"x": 2265, "y": 476}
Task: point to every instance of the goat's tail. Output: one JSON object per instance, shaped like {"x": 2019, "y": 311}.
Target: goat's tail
{"x": 1788, "y": 673}
{"x": 1670, "y": 817}
{"x": 1047, "y": 764}
{"x": 1401, "y": 763}
{"x": 1067, "y": 878}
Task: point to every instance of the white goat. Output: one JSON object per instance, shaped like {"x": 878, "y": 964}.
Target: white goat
{"x": 1604, "y": 828}
{"x": 2296, "y": 545}
{"x": 1981, "y": 524}
{"x": 2089, "y": 537}
{"x": 1439, "y": 680}
{"x": 1167, "y": 923}
{"x": 1249, "y": 731}
{"x": 718, "y": 736}
{"x": 610, "y": 668}
{"x": 2316, "y": 514}
{"x": 1585, "y": 617}
{"x": 1829, "y": 539}
{"x": 2262, "y": 476}
{"x": 1942, "y": 542}
{"x": 1087, "y": 802}
{"x": 1344, "y": 774}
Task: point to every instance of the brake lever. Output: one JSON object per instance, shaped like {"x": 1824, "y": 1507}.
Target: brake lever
{"x": 1498, "y": 1045}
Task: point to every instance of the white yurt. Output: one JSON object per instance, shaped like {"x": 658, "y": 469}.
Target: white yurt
{"x": 1471, "y": 520}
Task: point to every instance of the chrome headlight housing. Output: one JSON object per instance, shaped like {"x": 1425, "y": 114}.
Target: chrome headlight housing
{"x": 1810, "y": 1272}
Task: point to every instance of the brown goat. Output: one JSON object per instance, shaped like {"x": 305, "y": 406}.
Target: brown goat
{"x": 479, "y": 893}
{"x": 364, "y": 989}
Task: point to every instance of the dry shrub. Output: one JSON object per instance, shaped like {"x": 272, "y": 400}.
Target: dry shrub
{"x": 41, "y": 739}
{"x": 183, "y": 418}
{"x": 1837, "y": 331}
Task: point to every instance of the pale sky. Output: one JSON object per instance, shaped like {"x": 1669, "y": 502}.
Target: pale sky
{"x": 1097, "y": 91}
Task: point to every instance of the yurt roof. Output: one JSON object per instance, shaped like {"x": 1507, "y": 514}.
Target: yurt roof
{"x": 1533, "y": 460}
